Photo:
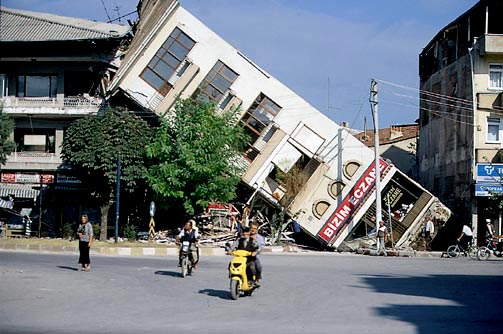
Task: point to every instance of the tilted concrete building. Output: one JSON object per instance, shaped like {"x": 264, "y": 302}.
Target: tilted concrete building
{"x": 174, "y": 55}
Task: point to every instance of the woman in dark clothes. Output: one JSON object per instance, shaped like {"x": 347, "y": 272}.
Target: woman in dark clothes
{"x": 85, "y": 233}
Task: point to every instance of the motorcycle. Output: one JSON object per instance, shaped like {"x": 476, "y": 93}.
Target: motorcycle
{"x": 238, "y": 274}
{"x": 186, "y": 258}
{"x": 493, "y": 246}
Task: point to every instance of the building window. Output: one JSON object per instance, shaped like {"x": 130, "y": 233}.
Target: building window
{"x": 36, "y": 86}
{"x": 260, "y": 114}
{"x": 216, "y": 83}
{"x": 496, "y": 76}
{"x": 3, "y": 85}
{"x": 258, "y": 117}
{"x": 351, "y": 168}
{"x": 335, "y": 188}
{"x": 493, "y": 129}
{"x": 35, "y": 140}
{"x": 167, "y": 59}
{"x": 320, "y": 207}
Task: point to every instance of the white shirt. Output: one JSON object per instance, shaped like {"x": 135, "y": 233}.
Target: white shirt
{"x": 429, "y": 227}
{"x": 467, "y": 231}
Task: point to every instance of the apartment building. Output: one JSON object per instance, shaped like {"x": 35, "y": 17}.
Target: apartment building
{"x": 461, "y": 123}
{"x": 53, "y": 70}
{"x": 173, "y": 55}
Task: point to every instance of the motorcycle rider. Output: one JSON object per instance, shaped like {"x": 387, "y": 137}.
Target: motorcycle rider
{"x": 192, "y": 235}
{"x": 245, "y": 242}
{"x": 261, "y": 244}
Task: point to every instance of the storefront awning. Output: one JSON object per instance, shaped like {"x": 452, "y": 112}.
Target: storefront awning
{"x": 19, "y": 190}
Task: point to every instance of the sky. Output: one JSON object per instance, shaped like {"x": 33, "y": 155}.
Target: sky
{"x": 327, "y": 51}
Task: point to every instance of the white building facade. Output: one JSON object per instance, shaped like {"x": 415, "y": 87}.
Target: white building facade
{"x": 177, "y": 56}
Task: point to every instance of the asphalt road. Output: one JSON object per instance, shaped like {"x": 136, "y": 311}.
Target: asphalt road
{"x": 42, "y": 293}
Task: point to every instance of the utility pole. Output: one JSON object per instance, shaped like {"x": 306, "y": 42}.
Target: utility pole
{"x": 117, "y": 197}
{"x": 40, "y": 205}
{"x": 374, "y": 106}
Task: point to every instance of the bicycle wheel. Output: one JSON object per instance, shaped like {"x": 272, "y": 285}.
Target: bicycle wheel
{"x": 453, "y": 251}
{"x": 483, "y": 253}
{"x": 472, "y": 251}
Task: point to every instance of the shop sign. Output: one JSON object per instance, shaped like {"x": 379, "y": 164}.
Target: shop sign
{"x": 491, "y": 173}
{"x": 486, "y": 190}
{"x": 352, "y": 200}
{"x": 26, "y": 178}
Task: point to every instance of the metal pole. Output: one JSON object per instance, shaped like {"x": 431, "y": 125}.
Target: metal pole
{"x": 40, "y": 207}
{"x": 390, "y": 221}
{"x": 117, "y": 198}
{"x": 374, "y": 103}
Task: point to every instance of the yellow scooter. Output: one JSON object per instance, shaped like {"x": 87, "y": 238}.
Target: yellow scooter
{"x": 239, "y": 281}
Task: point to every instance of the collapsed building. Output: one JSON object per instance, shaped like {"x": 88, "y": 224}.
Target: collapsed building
{"x": 298, "y": 159}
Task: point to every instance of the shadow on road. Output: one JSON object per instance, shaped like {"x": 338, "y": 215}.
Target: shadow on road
{"x": 467, "y": 303}
{"x": 168, "y": 273}
{"x": 223, "y": 294}
{"x": 69, "y": 268}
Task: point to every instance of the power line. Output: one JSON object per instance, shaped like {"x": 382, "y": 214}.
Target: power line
{"x": 106, "y": 11}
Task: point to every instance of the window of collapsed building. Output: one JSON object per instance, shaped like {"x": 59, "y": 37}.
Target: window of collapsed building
{"x": 335, "y": 188}
{"x": 167, "y": 59}
{"x": 216, "y": 84}
{"x": 292, "y": 175}
{"x": 37, "y": 85}
{"x": 320, "y": 207}
{"x": 258, "y": 117}
{"x": 496, "y": 76}
{"x": 493, "y": 129}
{"x": 351, "y": 168}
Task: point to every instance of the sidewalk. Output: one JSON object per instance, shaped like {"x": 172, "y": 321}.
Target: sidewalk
{"x": 148, "y": 249}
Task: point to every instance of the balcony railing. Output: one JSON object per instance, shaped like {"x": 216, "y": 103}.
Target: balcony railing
{"x": 27, "y": 156}
{"x": 66, "y": 102}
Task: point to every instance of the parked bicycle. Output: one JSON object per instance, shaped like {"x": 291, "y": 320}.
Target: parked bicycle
{"x": 457, "y": 249}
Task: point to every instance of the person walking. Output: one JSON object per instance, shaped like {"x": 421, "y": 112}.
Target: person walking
{"x": 85, "y": 234}
{"x": 382, "y": 237}
{"x": 429, "y": 229}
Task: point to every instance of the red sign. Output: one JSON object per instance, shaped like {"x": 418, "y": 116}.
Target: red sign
{"x": 26, "y": 177}
{"x": 352, "y": 200}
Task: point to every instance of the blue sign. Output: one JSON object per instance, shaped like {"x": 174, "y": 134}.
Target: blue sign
{"x": 492, "y": 173}
{"x": 486, "y": 190}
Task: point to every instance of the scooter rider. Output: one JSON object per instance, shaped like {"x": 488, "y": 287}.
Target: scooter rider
{"x": 192, "y": 235}
{"x": 245, "y": 242}
{"x": 261, "y": 244}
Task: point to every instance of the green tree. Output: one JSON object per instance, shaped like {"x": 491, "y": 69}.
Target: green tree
{"x": 196, "y": 153}
{"x": 6, "y": 128}
{"x": 92, "y": 144}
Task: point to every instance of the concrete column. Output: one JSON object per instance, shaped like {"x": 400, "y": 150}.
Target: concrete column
{"x": 59, "y": 142}
{"x": 475, "y": 218}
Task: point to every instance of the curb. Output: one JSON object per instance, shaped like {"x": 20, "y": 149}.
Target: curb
{"x": 129, "y": 251}
{"x": 204, "y": 251}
